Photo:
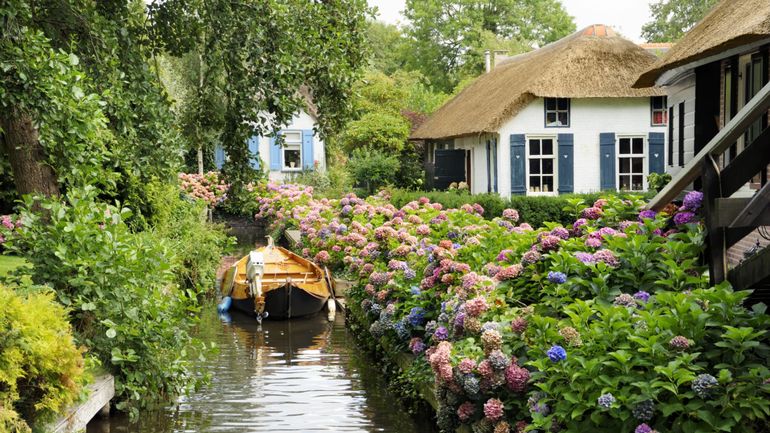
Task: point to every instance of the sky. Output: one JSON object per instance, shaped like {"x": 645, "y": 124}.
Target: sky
{"x": 625, "y": 16}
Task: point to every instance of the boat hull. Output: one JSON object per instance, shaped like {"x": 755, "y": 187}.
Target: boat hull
{"x": 284, "y": 303}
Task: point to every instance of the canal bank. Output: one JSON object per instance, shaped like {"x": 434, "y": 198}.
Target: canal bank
{"x": 302, "y": 375}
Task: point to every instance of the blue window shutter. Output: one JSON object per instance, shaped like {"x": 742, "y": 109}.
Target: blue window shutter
{"x": 219, "y": 156}
{"x": 607, "y": 160}
{"x": 489, "y": 166}
{"x": 494, "y": 154}
{"x": 275, "y": 155}
{"x": 518, "y": 164}
{"x": 254, "y": 152}
{"x": 307, "y": 149}
{"x": 566, "y": 163}
{"x": 657, "y": 144}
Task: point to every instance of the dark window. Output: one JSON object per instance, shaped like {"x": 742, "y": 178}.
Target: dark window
{"x": 557, "y": 112}
{"x": 671, "y": 137}
{"x": 681, "y": 134}
{"x": 659, "y": 111}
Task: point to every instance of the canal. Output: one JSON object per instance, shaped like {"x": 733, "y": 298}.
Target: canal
{"x": 302, "y": 375}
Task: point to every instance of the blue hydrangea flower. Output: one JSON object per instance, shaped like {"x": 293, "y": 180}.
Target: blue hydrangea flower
{"x": 606, "y": 400}
{"x": 704, "y": 384}
{"x": 557, "y": 277}
{"x": 415, "y": 290}
{"x": 401, "y": 330}
{"x": 416, "y": 316}
{"x": 556, "y": 353}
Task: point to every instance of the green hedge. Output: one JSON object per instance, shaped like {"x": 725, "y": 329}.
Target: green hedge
{"x": 532, "y": 210}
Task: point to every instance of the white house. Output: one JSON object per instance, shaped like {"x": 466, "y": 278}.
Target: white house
{"x": 560, "y": 119}
{"x": 302, "y": 149}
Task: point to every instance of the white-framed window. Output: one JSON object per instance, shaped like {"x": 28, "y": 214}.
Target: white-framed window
{"x": 631, "y": 163}
{"x": 541, "y": 166}
{"x": 557, "y": 112}
{"x": 659, "y": 109}
{"x": 291, "y": 152}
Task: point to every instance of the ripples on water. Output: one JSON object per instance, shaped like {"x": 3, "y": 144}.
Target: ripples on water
{"x": 300, "y": 375}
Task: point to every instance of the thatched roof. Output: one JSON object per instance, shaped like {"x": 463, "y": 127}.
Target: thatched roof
{"x": 592, "y": 63}
{"x": 730, "y": 24}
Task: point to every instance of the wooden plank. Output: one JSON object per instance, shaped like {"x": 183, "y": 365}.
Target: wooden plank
{"x": 746, "y": 164}
{"x": 728, "y": 209}
{"x": 99, "y": 395}
{"x": 716, "y": 235}
{"x": 751, "y": 271}
{"x": 293, "y": 236}
{"x": 758, "y": 105}
{"x": 754, "y": 209}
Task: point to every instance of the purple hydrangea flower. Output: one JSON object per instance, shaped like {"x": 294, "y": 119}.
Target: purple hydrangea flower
{"x": 647, "y": 214}
{"x": 642, "y": 296}
{"x": 693, "y": 200}
{"x": 585, "y": 257}
{"x": 684, "y": 218}
{"x": 557, "y": 277}
{"x": 441, "y": 334}
{"x": 556, "y": 353}
{"x": 643, "y": 428}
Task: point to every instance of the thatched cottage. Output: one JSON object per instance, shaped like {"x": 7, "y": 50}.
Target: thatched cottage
{"x": 716, "y": 79}
{"x": 560, "y": 119}
{"x": 303, "y": 149}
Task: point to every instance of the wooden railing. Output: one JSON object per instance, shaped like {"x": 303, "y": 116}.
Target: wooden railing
{"x": 729, "y": 219}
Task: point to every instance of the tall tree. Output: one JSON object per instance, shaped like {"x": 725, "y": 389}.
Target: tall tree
{"x": 671, "y": 19}
{"x": 259, "y": 54}
{"x": 448, "y": 36}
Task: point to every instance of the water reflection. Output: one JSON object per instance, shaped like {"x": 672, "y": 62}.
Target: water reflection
{"x": 302, "y": 375}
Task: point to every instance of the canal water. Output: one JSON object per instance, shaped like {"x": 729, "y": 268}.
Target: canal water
{"x": 300, "y": 375}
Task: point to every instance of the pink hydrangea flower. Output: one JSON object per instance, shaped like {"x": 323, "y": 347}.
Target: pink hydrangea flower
{"x": 493, "y": 409}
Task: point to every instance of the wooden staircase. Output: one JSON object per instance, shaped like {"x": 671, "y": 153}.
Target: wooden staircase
{"x": 730, "y": 219}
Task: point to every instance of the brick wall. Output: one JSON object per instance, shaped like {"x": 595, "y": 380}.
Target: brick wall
{"x": 735, "y": 254}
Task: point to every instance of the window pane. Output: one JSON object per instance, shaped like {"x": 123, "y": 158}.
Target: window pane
{"x": 563, "y": 118}
{"x": 563, "y": 103}
{"x": 291, "y": 158}
{"x": 659, "y": 118}
{"x": 534, "y": 183}
{"x": 534, "y": 166}
{"x": 625, "y": 182}
{"x": 534, "y": 147}
{"x": 550, "y": 104}
{"x": 637, "y": 165}
{"x": 637, "y": 183}
{"x": 547, "y": 147}
{"x": 625, "y": 146}
{"x": 547, "y": 166}
{"x": 625, "y": 165}
{"x": 550, "y": 119}
{"x": 638, "y": 146}
{"x": 547, "y": 183}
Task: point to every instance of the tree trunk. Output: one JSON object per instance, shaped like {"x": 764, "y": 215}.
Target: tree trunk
{"x": 31, "y": 173}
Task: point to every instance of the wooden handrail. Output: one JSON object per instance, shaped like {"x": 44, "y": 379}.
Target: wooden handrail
{"x": 728, "y": 135}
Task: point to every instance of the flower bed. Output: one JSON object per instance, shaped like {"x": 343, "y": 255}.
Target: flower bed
{"x": 605, "y": 325}
{"x": 207, "y": 187}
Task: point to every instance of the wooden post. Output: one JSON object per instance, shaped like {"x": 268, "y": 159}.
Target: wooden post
{"x": 716, "y": 235}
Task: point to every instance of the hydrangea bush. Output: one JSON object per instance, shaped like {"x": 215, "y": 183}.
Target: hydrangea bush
{"x": 605, "y": 324}
{"x": 207, "y": 187}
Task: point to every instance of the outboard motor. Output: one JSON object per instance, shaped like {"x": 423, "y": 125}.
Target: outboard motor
{"x": 255, "y": 269}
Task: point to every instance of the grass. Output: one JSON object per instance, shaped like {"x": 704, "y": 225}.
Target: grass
{"x": 9, "y": 263}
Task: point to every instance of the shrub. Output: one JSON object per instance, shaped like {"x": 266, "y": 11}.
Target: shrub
{"x": 207, "y": 187}
{"x": 197, "y": 245}
{"x": 649, "y": 357}
{"x": 120, "y": 288}
{"x": 41, "y": 370}
{"x": 373, "y": 168}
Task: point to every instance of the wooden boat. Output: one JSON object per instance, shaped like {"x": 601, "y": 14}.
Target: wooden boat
{"x": 273, "y": 281}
